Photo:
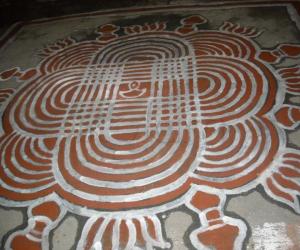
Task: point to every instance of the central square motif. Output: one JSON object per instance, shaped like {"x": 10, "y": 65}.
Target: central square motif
{"x": 135, "y": 97}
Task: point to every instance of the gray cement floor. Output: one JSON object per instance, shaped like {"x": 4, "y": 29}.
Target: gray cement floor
{"x": 272, "y": 226}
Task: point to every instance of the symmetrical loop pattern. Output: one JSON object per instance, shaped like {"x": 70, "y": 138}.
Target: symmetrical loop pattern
{"x": 124, "y": 127}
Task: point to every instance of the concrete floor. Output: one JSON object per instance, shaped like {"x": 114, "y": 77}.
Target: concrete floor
{"x": 272, "y": 225}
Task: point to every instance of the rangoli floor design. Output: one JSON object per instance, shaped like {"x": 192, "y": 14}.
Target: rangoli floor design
{"x": 135, "y": 123}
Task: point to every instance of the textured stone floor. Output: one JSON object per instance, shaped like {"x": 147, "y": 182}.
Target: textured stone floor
{"x": 272, "y": 223}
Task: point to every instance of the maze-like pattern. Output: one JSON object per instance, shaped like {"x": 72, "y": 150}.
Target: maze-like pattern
{"x": 140, "y": 123}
